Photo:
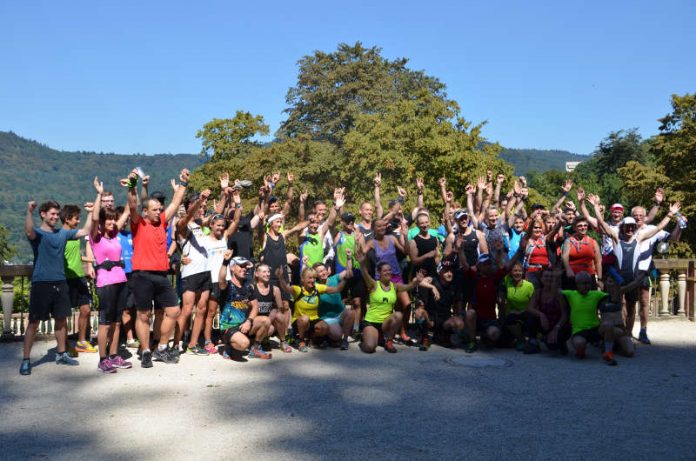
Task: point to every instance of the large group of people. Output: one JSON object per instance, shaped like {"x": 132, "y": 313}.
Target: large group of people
{"x": 195, "y": 278}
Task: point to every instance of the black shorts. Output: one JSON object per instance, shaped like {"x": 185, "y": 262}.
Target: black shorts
{"x": 112, "y": 301}
{"x": 515, "y": 318}
{"x": 228, "y": 333}
{"x": 355, "y": 287}
{"x": 79, "y": 292}
{"x": 149, "y": 287}
{"x": 591, "y": 335}
{"x": 49, "y": 299}
{"x": 197, "y": 283}
{"x": 439, "y": 320}
{"x": 215, "y": 293}
{"x": 376, "y": 325}
{"x": 130, "y": 303}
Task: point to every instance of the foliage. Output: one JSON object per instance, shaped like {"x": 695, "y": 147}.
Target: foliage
{"x": 527, "y": 161}
{"x": 7, "y": 250}
{"x": 32, "y": 171}
{"x": 227, "y": 138}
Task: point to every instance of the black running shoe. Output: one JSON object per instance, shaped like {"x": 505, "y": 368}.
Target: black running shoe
{"x": 163, "y": 356}
{"x": 146, "y": 360}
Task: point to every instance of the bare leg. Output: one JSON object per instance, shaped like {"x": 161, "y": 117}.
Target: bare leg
{"x": 61, "y": 327}
{"x": 29, "y": 336}
{"x": 201, "y": 317}
{"x": 142, "y": 328}
{"x": 168, "y": 323}
{"x": 83, "y": 322}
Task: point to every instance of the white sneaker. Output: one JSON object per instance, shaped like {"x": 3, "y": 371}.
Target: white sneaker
{"x": 65, "y": 359}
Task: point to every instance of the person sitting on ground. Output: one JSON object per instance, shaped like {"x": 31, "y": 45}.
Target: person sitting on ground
{"x": 268, "y": 297}
{"x": 335, "y": 321}
{"x": 518, "y": 293}
{"x": 612, "y": 322}
{"x": 240, "y": 322}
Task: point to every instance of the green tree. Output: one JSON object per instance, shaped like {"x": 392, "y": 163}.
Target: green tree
{"x": 7, "y": 250}
{"x": 333, "y": 89}
{"x": 230, "y": 137}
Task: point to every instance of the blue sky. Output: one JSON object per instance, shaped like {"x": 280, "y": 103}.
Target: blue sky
{"x": 143, "y": 77}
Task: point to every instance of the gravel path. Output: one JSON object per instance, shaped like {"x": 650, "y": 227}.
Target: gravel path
{"x": 440, "y": 404}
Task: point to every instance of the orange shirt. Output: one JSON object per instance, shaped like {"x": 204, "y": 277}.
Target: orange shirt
{"x": 581, "y": 255}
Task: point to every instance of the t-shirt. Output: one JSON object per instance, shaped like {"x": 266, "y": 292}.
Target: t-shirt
{"x": 107, "y": 249}
{"x": 307, "y": 303}
{"x": 583, "y": 309}
{"x": 381, "y": 303}
{"x": 312, "y": 249}
{"x": 331, "y": 304}
{"x": 49, "y": 254}
{"x": 518, "y": 296}
{"x": 150, "y": 245}
{"x": 192, "y": 247}
{"x": 73, "y": 260}
{"x": 485, "y": 293}
{"x": 216, "y": 254}
{"x": 646, "y": 247}
{"x": 236, "y": 308}
{"x": 443, "y": 306}
{"x": 126, "y": 240}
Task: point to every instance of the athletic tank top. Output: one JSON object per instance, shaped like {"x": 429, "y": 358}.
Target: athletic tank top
{"x": 381, "y": 303}
{"x": 312, "y": 249}
{"x": 424, "y": 246}
{"x": 107, "y": 249}
{"x": 537, "y": 255}
{"x": 274, "y": 253}
{"x": 581, "y": 254}
{"x": 266, "y": 302}
{"x": 345, "y": 242}
{"x": 471, "y": 247}
{"x": 550, "y": 308}
{"x": 627, "y": 253}
{"x": 387, "y": 255}
{"x": 367, "y": 233}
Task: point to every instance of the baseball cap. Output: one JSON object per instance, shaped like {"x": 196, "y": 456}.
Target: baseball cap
{"x": 241, "y": 261}
{"x": 348, "y": 217}
{"x": 616, "y": 206}
{"x": 459, "y": 214}
{"x": 484, "y": 258}
{"x": 445, "y": 266}
{"x": 628, "y": 221}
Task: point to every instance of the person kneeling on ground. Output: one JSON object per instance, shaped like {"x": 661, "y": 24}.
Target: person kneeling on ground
{"x": 306, "y": 298}
{"x": 240, "y": 322}
{"x": 518, "y": 293}
{"x": 584, "y": 304}
{"x": 335, "y": 321}
{"x": 612, "y": 320}
{"x": 548, "y": 315}
{"x": 381, "y": 322}
{"x": 438, "y": 310}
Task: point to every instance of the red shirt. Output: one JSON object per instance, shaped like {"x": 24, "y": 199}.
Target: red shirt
{"x": 150, "y": 245}
{"x": 486, "y": 293}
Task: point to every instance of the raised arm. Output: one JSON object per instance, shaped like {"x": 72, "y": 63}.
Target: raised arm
{"x": 565, "y": 189}
{"x": 379, "y": 210}
{"x": 499, "y": 180}
{"x": 594, "y": 222}
{"x": 131, "y": 182}
{"x": 182, "y": 224}
{"x": 415, "y": 281}
{"x": 647, "y": 233}
{"x": 339, "y": 201}
{"x": 470, "y": 191}
{"x": 659, "y": 197}
{"x": 282, "y": 282}
{"x": 361, "y": 256}
{"x": 301, "y": 209}
{"x": 290, "y": 195}
{"x": 99, "y": 186}
{"x": 222, "y": 273}
{"x": 178, "y": 195}
{"x": 602, "y": 224}
{"x": 87, "y": 228}
{"x": 29, "y": 221}
{"x": 234, "y": 225}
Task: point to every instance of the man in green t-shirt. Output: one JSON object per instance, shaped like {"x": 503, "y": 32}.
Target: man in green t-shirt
{"x": 80, "y": 295}
{"x": 584, "y": 304}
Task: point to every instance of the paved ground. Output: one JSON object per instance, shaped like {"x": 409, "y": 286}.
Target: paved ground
{"x": 345, "y": 405}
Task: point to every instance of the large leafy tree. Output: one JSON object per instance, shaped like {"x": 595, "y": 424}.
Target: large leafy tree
{"x": 227, "y": 138}
{"x": 7, "y": 250}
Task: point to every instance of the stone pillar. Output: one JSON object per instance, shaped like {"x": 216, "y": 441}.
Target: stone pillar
{"x": 681, "y": 284}
{"x": 7, "y": 302}
{"x": 664, "y": 293}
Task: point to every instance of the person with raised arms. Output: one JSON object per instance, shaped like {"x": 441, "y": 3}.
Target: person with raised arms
{"x": 381, "y": 321}
{"x": 151, "y": 265}
{"x": 49, "y": 294}
{"x": 111, "y": 281}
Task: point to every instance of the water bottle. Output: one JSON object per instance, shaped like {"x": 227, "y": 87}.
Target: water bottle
{"x": 680, "y": 220}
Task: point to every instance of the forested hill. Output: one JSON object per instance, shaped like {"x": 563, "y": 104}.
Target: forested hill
{"x": 32, "y": 171}
{"x": 526, "y": 160}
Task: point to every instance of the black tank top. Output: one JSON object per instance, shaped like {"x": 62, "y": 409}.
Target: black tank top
{"x": 424, "y": 246}
{"x": 274, "y": 253}
{"x": 627, "y": 252}
{"x": 266, "y": 302}
{"x": 471, "y": 247}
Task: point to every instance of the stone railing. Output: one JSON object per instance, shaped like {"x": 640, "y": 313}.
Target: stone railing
{"x": 686, "y": 286}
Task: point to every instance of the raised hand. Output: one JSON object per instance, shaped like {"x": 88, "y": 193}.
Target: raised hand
{"x": 470, "y": 189}
{"x": 580, "y": 192}
{"x": 378, "y": 179}
{"x": 481, "y": 183}
{"x": 442, "y": 182}
{"x": 98, "y": 185}
{"x": 659, "y": 195}
{"x": 290, "y": 177}
{"x": 420, "y": 185}
{"x": 146, "y": 179}
{"x": 88, "y": 206}
{"x": 205, "y": 194}
{"x": 303, "y": 196}
{"x": 224, "y": 180}
{"x": 567, "y": 186}
{"x": 449, "y": 196}
{"x": 275, "y": 177}
{"x": 184, "y": 175}
{"x": 500, "y": 179}
{"x": 523, "y": 181}
{"x": 401, "y": 191}
{"x": 31, "y": 206}
{"x": 173, "y": 184}
{"x": 674, "y": 208}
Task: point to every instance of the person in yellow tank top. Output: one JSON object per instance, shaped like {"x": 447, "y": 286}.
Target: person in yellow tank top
{"x": 381, "y": 322}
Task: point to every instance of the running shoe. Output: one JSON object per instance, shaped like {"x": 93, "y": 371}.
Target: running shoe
{"x": 105, "y": 366}
{"x": 609, "y": 358}
{"x": 324, "y": 344}
{"x": 118, "y": 362}
{"x": 344, "y": 344}
{"x": 285, "y": 347}
{"x": 471, "y": 347}
{"x": 302, "y": 347}
{"x": 210, "y": 348}
{"x": 643, "y": 337}
{"x": 197, "y": 350}
{"x": 146, "y": 359}
{"x": 424, "y": 344}
{"x": 62, "y": 358}
{"x": 258, "y": 353}
{"x": 72, "y": 352}
{"x": 389, "y": 346}
{"x": 245, "y": 183}
{"x": 25, "y": 368}
{"x": 163, "y": 356}
{"x": 133, "y": 344}
{"x": 174, "y": 353}
{"x": 85, "y": 346}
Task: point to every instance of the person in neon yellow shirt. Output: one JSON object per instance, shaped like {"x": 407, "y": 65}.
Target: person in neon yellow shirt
{"x": 381, "y": 322}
